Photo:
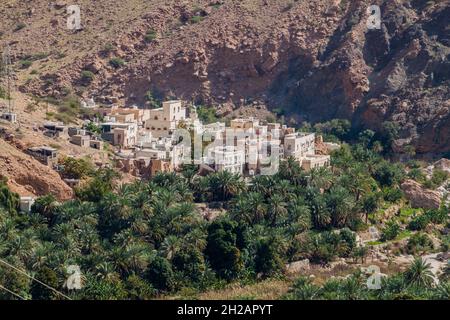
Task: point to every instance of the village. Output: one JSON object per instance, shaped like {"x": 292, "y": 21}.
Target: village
{"x": 147, "y": 141}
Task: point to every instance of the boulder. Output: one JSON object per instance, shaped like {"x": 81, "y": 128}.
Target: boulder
{"x": 420, "y": 197}
{"x": 298, "y": 266}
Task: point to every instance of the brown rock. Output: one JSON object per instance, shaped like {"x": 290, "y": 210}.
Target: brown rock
{"x": 419, "y": 197}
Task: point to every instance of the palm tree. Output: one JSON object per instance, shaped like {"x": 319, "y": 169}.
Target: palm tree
{"x": 105, "y": 270}
{"x": 340, "y": 205}
{"x": 320, "y": 215}
{"x": 276, "y": 209}
{"x": 290, "y": 169}
{"x": 264, "y": 185}
{"x": 170, "y": 246}
{"x": 225, "y": 185}
{"x": 419, "y": 274}
{"x": 321, "y": 178}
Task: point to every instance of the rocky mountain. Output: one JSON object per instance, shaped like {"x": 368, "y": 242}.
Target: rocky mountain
{"x": 317, "y": 60}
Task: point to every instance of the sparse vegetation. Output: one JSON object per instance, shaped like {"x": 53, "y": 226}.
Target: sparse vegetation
{"x": 117, "y": 63}
{"x": 25, "y": 64}
{"x": 151, "y": 35}
{"x": 87, "y": 76}
{"x": 196, "y": 19}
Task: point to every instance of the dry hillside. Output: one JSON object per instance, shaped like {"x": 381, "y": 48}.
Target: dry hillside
{"x": 315, "y": 59}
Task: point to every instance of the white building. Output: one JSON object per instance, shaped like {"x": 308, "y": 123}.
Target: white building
{"x": 227, "y": 158}
{"x": 164, "y": 149}
{"x": 299, "y": 145}
{"x": 26, "y": 203}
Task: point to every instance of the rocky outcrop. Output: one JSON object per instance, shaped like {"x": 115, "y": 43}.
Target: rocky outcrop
{"x": 298, "y": 266}
{"x": 419, "y": 197}
{"x": 27, "y": 176}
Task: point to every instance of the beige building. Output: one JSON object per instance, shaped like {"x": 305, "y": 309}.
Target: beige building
{"x": 315, "y": 161}
{"x": 298, "y": 145}
{"x": 130, "y": 114}
{"x": 80, "y": 140}
{"x": 120, "y": 134}
{"x": 163, "y": 121}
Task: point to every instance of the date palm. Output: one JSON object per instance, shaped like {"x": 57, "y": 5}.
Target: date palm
{"x": 321, "y": 178}
{"x": 276, "y": 209}
{"x": 419, "y": 273}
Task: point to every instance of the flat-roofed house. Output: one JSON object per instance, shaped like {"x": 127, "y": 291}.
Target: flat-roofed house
{"x": 227, "y": 158}
{"x": 299, "y": 144}
{"x": 46, "y": 155}
{"x": 120, "y": 134}
{"x": 80, "y": 140}
{"x": 163, "y": 121}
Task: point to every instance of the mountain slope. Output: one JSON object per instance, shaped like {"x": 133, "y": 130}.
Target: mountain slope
{"x": 317, "y": 59}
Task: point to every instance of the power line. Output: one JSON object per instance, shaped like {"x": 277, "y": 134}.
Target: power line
{"x": 13, "y": 293}
{"x": 34, "y": 279}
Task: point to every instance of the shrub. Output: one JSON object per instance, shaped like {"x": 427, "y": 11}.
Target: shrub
{"x": 391, "y": 231}
{"x": 151, "y": 100}
{"x": 392, "y": 194}
{"x": 196, "y": 19}
{"x": 161, "y": 275}
{"x": 419, "y": 222}
{"x": 76, "y": 168}
{"x": 24, "y": 64}
{"x": 206, "y": 114}
{"x": 221, "y": 249}
{"x": 116, "y": 63}
{"x": 87, "y": 76}
{"x": 419, "y": 243}
{"x": 151, "y": 35}
{"x": 20, "y": 26}
{"x": 3, "y": 94}
{"x": 388, "y": 174}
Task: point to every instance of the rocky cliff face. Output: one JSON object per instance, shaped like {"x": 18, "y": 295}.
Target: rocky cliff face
{"x": 315, "y": 59}
{"x": 28, "y": 176}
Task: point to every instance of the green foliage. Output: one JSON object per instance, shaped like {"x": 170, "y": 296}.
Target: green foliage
{"x": 392, "y": 195}
{"x": 221, "y": 249}
{"x": 117, "y": 63}
{"x": 388, "y": 174}
{"x": 336, "y": 127}
{"x": 207, "y": 114}
{"x": 151, "y": 35}
{"x": 269, "y": 257}
{"x": 73, "y": 168}
{"x": 101, "y": 184}
{"x": 437, "y": 179}
{"x": 419, "y": 243}
{"x": 25, "y": 64}
{"x": 196, "y": 19}
{"x": 40, "y": 292}
{"x": 413, "y": 284}
{"x": 146, "y": 238}
{"x": 3, "y": 93}
{"x": 87, "y": 76}
{"x": 390, "y": 231}
{"x": 161, "y": 275}
{"x": 152, "y": 101}
{"x": 92, "y": 127}
{"x": 9, "y": 201}
{"x": 419, "y": 223}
